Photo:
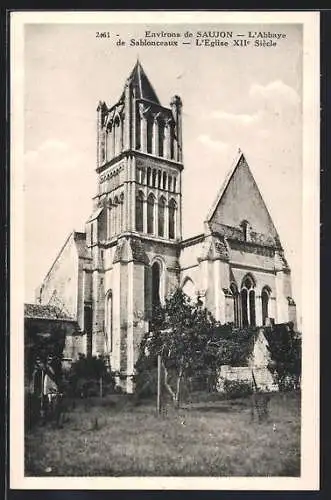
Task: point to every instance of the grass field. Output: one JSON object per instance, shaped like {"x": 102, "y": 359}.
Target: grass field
{"x": 215, "y": 437}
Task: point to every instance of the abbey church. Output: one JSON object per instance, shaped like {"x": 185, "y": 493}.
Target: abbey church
{"x": 132, "y": 254}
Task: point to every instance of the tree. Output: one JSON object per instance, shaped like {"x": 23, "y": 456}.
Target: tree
{"x": 44, "y": 351}
{"x": 285, "y": 352}
{"x": 183, "y": 333}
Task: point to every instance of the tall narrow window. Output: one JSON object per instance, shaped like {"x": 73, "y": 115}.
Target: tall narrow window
{"x": 122, "y": 225}
{"x": 109, "y": 227}
{"x": 244, "y": 309}
{"x": 169, "y": 182}
{"x": 138, "y": 127}
{"x": 161, "y": 137}
{"x": 116, "y": 215}
{"x": 164, "y": 180}
{"x": 265, "y": 295}
{"x": 149, "y": 135}
{"x": 92, "y": 234}
{"x": 172, "y": 219}
{"x": 143, "y": 176}
{"x": 252, "y": 308}
{"x": 247, "y": 295}
{"x": 149, "y": 176}
{"x": 117, "y": 135}
{"x": 162, "y": 203}
{"x": 236, "y": 308}
{"x": 150, "y": 214}
{"x": 140, "y": 212}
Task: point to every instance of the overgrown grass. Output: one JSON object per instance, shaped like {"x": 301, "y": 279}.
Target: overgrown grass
{"x": 213, "y": 437}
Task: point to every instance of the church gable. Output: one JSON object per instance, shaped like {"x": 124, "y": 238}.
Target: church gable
{"x": 240, "y": 205}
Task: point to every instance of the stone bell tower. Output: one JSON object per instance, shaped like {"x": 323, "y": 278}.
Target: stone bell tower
{"x": 135, "y": 231}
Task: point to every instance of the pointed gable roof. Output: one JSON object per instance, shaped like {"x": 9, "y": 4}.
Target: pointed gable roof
{"x": 142, "y": 85}
{"x": 239, "y": 199}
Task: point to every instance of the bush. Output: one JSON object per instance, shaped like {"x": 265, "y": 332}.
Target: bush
{"x": 237, "y": 388}
{"x": 85, "y": 375}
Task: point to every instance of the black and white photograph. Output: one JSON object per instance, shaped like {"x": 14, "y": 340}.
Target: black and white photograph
{"x": 164, "y": 197}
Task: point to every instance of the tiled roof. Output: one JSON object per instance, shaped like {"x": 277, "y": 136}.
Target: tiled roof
{"x": 142, "y": 85}
{"x": 39, "y": 311}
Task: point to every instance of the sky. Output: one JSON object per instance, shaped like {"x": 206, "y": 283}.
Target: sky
{"x": 232, "y": 97}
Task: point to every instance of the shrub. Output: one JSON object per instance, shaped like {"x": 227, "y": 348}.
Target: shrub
{"x": 237, "y": 388}
{"x": 285, "y": 352}
{"x": 85, "y": 375}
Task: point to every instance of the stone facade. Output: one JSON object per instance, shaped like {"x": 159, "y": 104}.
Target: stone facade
{"x": 132, "y": 254}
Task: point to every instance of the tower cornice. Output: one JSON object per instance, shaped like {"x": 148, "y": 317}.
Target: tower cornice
{"x": 139, "y": 154}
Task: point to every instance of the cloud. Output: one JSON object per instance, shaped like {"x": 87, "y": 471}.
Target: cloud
{"x": 237, "y": 118}
{"x": 211, "y": 143}
{"x": 275, "y": 90}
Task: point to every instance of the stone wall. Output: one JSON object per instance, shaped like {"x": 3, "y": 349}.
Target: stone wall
{"x": 263, "y": 377}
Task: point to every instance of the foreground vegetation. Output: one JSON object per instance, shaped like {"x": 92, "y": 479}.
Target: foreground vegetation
{"x": 207, "y": 436}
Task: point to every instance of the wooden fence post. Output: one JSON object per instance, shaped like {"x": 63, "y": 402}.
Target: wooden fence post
{"x": 158, "y": 400}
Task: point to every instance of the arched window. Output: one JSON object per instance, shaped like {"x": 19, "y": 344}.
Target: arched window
{"x": 156, "y": 280}
{"x": 244, "y": 310}
{"x": 150, "y": 214}
{"x": 247, "y": 295}
{"x": 159, "y": 178}
{"x": 162, "y": 204}
{"x": 265, "y": 296}
{"x": 109, "y": 322}
{"x": 169, "y": 182}
{"x": 172, "y": 219}
{"x": 236, "y": 304}
{"x": 161, "y": 137}
{"x": 140, "y": 212}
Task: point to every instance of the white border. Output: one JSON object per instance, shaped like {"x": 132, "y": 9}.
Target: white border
{"x": 309, "y": 479}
